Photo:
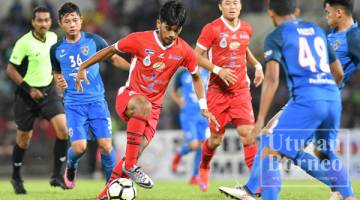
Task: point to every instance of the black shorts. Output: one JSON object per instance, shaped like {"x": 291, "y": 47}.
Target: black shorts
{"x": 27, "y": 110}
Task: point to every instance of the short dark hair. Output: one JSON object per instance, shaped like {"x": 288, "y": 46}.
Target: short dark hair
{"x": 283, "y": 7}
{"x": 68, "y": 8}
{"x": 346, "y": 5}
{"x": 39, "y": 9}
{"x": 173, "y": 13}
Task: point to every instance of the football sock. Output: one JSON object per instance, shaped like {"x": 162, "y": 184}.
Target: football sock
{"x": 60, "y": 150}
{"x": 185, "y": 149}
{"x": 117, "y": 171}
{"x": 73, "y": 159}
{"x": 270, "y": 178}
{"x": 250, "y": 152}
{"x": 108, "y": 162}
{"x": 197, "y": 159}
{"x": 253, "y": 182}
{"x": 17, "y": 158}
{"x": 135, "y": 131}
{"x": 206, "y": 156}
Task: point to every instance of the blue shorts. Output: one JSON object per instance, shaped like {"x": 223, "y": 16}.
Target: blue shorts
{"x": 300, "y": 122}
{"x": 194, "y": 127}
{"x": 93, "y": 117}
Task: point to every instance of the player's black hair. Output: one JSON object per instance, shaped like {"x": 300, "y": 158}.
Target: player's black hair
{"x": 346, "y": 5}
{"x": 283, "y": 7}
{"x": 39, "y": 9}
{"x": 173, "y": 13}
{"x": 220, "y": 1}
{"x": 68, "y": 8}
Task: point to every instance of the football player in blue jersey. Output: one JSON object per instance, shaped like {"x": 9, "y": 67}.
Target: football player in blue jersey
{"x": 314, "y": 104}
{"x": 193, "y": 124}
{"x": 86, "y": 111}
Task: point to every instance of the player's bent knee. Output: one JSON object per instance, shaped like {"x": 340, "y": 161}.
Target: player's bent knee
{"x": 140, "y": 105}
{"x": 23, "y": 139}
{"x": 105, "y": 147}
{"x": 194, "y": 145}
{"x": 79, "y": 146}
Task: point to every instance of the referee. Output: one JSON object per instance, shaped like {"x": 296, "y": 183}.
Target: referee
{"x": 30, "y": 68}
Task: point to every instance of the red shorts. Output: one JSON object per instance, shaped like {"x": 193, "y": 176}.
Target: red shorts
{"x": 122, "y": 100}
{"x": 235, "y": 108}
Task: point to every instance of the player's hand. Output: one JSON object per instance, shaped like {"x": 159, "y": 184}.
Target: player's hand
{"x": 208, "y": 115}
{"x": 81, "y": 75}
{"x": 60, "y": 81}
{"x": 257, "y": 128}
{"x": 228, "y": 76}
{"x": 36, "y": 94}
{"x": 259, "y": 77}
{"x": 180, "y": 102}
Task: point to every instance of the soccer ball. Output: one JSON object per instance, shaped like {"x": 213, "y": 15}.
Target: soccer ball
{"x": 121, "y": 189}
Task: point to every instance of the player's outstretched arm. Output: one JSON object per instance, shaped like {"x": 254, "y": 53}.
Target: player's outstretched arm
{"x": 269, "y": 87}
{"x": 227, "y": 75}
{"x": 200, "y": 93}
{"x": 259, "y": 74}
{"x": 120, "y": 62}
{"x": 337, "y": 71}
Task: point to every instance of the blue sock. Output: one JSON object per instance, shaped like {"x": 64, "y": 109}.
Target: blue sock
{"x": 271, "y": 178}
{"x": 197, "y": 159}
{"x": 185, "y": 149}
{"x": 108, "y": 162}
{"x": 253, "y": 182}
{"x": 72, "y": 159}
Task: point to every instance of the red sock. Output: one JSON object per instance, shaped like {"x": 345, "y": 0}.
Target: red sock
{"x": 135, "y": 131}
{"x": 117, "y": 171}
{"x": 250, "y": 151}
{"x": 206, "y": 156}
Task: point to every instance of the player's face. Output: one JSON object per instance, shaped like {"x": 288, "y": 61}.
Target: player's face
{"x": 332, "y": 15}
{"x": 230, "y": 9}
{"x": 272, "y": 14}
{"x": 41, "y": 22}
{"x": 71, "y": 24}
{"x": 168, "y": 34}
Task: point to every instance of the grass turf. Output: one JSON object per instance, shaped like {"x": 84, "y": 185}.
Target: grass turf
{"x": 163, "y": 190}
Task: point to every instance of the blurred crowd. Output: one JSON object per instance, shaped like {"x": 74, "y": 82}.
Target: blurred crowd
{"x": 114, "y": 19}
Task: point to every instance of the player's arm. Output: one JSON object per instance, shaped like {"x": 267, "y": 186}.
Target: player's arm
{"x": 337, "y": 71}
{"x": 269, "y": 87}
{"x": 227, "y": 75}
{"x": 120, "y": 62}
{"x": 175, "y": 96}
{"x": 58, "y": 76}
{"x": 259, "y": 74}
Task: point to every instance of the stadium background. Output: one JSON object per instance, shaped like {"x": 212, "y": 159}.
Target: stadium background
{"x": 114, "y": 19}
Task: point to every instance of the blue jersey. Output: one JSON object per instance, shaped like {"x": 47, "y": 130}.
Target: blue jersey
{"x": 301, "y": 48}
{"x": 347, "y": 48}
{"x": 67, "y": 57}
{"x": 184, "y": 82}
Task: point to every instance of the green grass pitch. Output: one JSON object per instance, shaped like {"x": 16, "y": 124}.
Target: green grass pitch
{"x": 163, "y": 190}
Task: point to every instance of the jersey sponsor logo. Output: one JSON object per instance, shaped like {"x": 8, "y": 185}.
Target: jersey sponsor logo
{"x": 244, "y": 36}
{"x": 159, "y": 66}
{"x": 175, "y": 57}
{"x": 147, "y": 60}
{"x": 149, "y": 51}
{"x": 223, "y": 43}
{"x": 85, "y": 50}
{"x": 268, "y": 53}
{"x": 234, "y": 45}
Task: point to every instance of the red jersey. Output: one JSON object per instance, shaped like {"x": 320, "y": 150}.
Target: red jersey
{"x": 226, "y": 48}
{"x": 153, "y": 64}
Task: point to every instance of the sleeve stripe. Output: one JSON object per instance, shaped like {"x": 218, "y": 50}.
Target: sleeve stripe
{"x": 195, "y": 70}
{"x": 117, "y": 47}
{"x": 201, "y": 46}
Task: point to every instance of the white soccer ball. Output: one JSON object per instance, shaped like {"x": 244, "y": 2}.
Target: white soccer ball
{"x": 121, "y": 189}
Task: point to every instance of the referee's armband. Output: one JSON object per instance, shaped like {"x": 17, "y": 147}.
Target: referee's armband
{"x": 25, "y": 86}
{"x": 203, "y": 104}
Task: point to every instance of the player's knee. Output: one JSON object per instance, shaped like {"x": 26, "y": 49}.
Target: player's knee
{"x": 106, "y": 148}
{"x": 78, "y": 147}
{"x": 140, "y": 105}
{"x": 62, "y": 133}
{"x": 215, "y": 141}
{"x": 23, "y": 140}
{"x": 194, "y": 145}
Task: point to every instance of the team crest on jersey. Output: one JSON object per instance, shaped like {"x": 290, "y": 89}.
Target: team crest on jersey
{"x": 159, "y": 66}
{"x": 147, "y": 61}
{"x": 336, "y": 44}
{"x": 234, "y": 45}
{"x": 84, "y": 50}
{"x": 223, "y": 43}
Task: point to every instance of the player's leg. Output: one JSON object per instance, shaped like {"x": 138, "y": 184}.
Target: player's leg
{"x": 24, "y": 119}
{"x": 78, "y": 126}
{"x": 100, "y": 125}
{"x": 52, "y": 109}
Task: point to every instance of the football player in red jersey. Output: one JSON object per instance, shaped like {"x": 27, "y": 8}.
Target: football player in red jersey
{"x": 222, "y": 48}
{"x": 156, "y": 55}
